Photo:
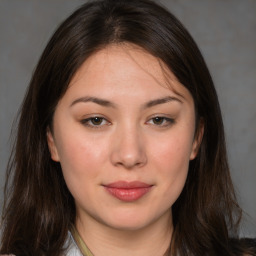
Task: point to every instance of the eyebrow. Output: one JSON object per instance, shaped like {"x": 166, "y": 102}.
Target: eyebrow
{"x": 106, "y": 103}
{"x": 155, "y": 102}
{"x": 99, "y": 101}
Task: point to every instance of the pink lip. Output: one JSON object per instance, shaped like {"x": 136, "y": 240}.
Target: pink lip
{"x": 128, "y": 191}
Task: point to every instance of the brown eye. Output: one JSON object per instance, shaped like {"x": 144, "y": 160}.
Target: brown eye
{"x": 96, "y": 120}
{"x": 158, "y": 120}
{"x": 161, "y": 121}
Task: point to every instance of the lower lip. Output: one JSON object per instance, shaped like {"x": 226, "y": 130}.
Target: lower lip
{"x": 128, "y": 194}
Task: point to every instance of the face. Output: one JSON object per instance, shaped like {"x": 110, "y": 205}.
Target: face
{"x": 124, "y": 137}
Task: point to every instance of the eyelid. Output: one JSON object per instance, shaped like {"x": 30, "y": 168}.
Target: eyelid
{"x": 168, "y": 121}
{"x": 88, "y": 122}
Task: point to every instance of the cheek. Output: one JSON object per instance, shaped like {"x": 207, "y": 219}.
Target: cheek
{"x": 171, "y": 160}
{"x": 173, "y": 152}
{"x": 81, "y": 161}
{"x": 80, "y": 158}
{"x": 174, "y": 162}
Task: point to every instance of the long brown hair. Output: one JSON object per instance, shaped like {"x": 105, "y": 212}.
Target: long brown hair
{"x": 39, "y": 209}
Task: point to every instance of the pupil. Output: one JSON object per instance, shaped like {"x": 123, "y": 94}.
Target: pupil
{"x": 96, "y": 120}
{"x": 158, "y": 120}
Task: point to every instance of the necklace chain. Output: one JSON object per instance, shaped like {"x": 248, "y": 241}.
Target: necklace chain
{"x": 83, "y": 247}
{"x": 80, "y": 243}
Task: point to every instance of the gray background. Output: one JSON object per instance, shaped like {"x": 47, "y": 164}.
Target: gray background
{"x": 226, "y": 33}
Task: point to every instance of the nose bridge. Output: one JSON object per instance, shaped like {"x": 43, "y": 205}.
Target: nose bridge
{"x": 128, "y": 146}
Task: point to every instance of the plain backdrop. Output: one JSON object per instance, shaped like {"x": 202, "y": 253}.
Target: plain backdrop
{"x": 225, "y": 31}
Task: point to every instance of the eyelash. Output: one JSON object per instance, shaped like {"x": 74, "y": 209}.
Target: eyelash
{"x": 89, "y": 122}
{"x": 164, "y": 121}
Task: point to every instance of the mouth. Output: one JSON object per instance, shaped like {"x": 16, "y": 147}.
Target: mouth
{"x": 128, "y": 191}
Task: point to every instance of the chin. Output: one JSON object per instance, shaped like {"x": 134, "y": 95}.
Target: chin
{"x": 129, "y": 221}
{"x": 128, "y": 226}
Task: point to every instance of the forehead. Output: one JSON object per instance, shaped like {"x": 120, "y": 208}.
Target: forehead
{"x": 126, "y": 65}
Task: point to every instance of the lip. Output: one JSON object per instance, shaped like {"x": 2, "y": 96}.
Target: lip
{"x": 128, "y": 191}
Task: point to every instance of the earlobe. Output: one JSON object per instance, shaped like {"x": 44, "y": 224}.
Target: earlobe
{"x": 52, "y": 146}
{"x": 197, "y": 140}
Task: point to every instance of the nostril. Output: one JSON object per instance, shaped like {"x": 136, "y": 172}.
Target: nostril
{"x": 129, "y": 161}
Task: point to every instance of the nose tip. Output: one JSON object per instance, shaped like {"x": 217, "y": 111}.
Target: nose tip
{"x": 129, "y": 151}
{"x": 130, "y": 161}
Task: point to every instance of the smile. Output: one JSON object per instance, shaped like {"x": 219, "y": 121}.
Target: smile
{"x": 128, "y": 191}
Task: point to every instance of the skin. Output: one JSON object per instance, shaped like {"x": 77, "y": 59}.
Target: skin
{"x": 132, "y": 140}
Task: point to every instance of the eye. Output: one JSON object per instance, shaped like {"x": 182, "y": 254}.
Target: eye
{"x": 95, "y": 122}
{"x": 161, "y": 121}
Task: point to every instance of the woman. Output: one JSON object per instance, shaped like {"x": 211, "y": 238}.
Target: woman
{"x": 120, "y": 147}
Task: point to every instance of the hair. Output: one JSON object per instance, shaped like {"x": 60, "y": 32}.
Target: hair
{"x": 39, "y": 209}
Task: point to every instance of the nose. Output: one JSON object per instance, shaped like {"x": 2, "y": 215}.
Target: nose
{"x": 128, "y": 149}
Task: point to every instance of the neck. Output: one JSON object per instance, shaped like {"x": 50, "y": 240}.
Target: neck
{"x": 152, "y": 240}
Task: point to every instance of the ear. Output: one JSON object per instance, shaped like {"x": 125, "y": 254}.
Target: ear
{"x": 197, "y": 140}
{"x": 52, "y": 147}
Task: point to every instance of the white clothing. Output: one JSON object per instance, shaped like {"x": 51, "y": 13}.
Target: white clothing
{"x": 72, "y": 249}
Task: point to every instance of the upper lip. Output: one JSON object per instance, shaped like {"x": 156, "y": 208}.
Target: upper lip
{"x": 128, "y": 184}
